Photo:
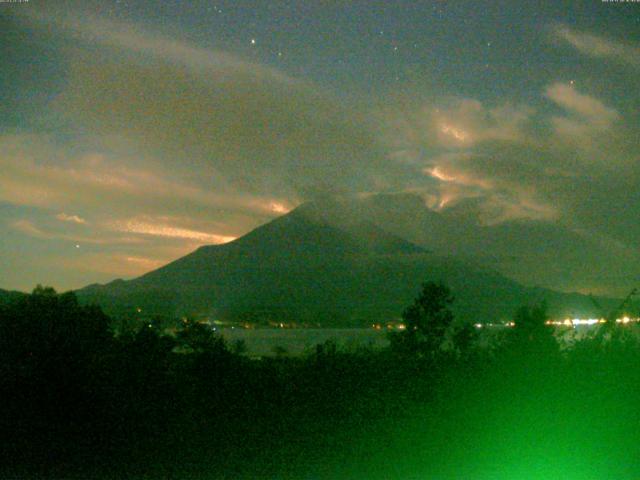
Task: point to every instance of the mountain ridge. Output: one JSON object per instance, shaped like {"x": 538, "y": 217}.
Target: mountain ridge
{"x": 314, "y": 266}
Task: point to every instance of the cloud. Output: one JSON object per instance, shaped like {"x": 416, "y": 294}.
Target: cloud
{"x": 109, "y": 185}
{"x": 498, "y": 162}
{"x": 454, "y": 123}
{"x": 589, "y": 108}
{"x": 44, "y": 231}
{"x": 590, "y": 126}
{"x": 156, "y": 146}
{"x": 165, "y": 146}
{"x": 467, "y": 122}
{"x": 107, "y": 266}
{"x": 163, "y": 230}
{"x": 464, "y": 147}
{"x": 599, "y": 47}
{"x": 244, "y": 125}
{"x": 279, "y": 208}
{"x": 28, "y": 228}
{"x": 144, "y": 262}
{"x": 448, "y": 174}
{"x": 71, "y": 218}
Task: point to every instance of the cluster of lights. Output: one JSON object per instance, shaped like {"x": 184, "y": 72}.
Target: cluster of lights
{"x": 389, "y": 326}
{"x": 574, "y": 322}
{"x": 567, "y": 322}
{"x": 491, "y": 325}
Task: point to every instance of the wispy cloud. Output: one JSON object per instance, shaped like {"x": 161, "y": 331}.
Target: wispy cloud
{"x": 247, "y": 125}
{"x": 588, "y": 107}
{"x": 447, "y": 173}
{"x": 467, "y": 122}
{"x": 598, "y": 46}
{"x": 589, "y": 123}
{"x": 457, "y": 143}
{"x": 500, "y": 158}
{"x": 163, "y": 230}
{"x": 170, "y": 144}
{"x": 144, "y": 262}
{"x": 108, "y": 185}
{"x": 108, "y": 265}
{"x": 71, "y": 218}
{"x": 167, "y": 146}
{"x": 43, "y": 231}
{"x": 29, "y": 228}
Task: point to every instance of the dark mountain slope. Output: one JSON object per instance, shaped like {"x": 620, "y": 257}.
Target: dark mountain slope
{"x": 540, "y": 253}
{"x": 325, "y": 262}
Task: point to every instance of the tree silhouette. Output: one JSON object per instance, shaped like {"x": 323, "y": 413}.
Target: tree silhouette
{"x": 465, "y": 340}
{"x": 199, "y": 337}
{"x": 426, "y": 321}
{"x": 531, "y": 334}
{"x": 47, "y": 328}
{"x": 239, "y": 347}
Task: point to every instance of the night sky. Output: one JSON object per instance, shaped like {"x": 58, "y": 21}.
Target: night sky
{"x": 132, "y": 132}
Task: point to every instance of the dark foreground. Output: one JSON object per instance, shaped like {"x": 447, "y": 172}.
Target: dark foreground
{"x": 79, "y": 402}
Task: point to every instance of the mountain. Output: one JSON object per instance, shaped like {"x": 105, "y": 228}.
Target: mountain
{"x": 326, "y": 262}
{"x": 531, "y": 252}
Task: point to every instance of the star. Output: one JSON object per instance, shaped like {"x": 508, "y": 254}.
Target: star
{"x": 253, "y": 41}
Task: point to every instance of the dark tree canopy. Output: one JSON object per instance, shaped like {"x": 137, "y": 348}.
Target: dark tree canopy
{"x": 427, "y": 320}
{"x": 531, "y": 333}
{"x": 46, "y": 325}
{"x": 198, "y": 337}
{"x": 79, "y": 402}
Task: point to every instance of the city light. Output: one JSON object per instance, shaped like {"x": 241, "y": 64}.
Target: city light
{"x": 574, "y": 322}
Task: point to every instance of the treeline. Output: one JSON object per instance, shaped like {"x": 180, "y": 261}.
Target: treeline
{"x": 82, "y": 401}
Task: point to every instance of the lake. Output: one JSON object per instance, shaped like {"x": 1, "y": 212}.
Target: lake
{"x": 299, "y": 341}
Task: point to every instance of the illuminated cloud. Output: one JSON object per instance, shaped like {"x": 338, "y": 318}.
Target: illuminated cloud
{"x": 109, "y": 265}
{"x": 600, "y": 47}
{"x": 146, "y": 263}
{"x": 155, "y": 145}
{"x": 246, "y": 126}
{"x": 459, "y": 144}
{"x": 465, "y": 122}
{"x": 110, "y": 186}
{"x": 156, "y": 229}
{"x": 71, "y": 218}
{"x": 278, "y": 207}
{"x": 196, "y": 146}
{"x": 589, "y": 124}
{"x": 445, "y": 174}
{"x": 456, "y": 133}
{"x": 589, "y": 108}
{"x": 436, "y": 172}
{"x": 498, "y": 163}
{"x": 46, "y": 231}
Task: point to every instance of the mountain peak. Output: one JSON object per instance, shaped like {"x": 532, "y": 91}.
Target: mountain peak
{"x": 332, "y": 261}
{"x": 341, "y": 224}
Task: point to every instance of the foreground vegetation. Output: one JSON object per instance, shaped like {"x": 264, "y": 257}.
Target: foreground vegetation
{"x": 79, "y": 401}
